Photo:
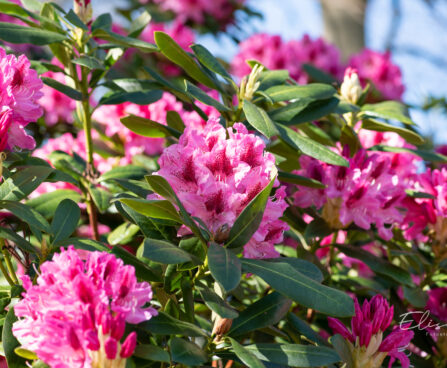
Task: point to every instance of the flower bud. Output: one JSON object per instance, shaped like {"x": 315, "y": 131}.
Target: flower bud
{"x": 83, "y": 9}
{"x": 351, "y": 89}
{"x": 129, "y": 345}
{"x": 221, "y": 327}
{"x": 111, "y": 348}
{"x": 250, "y": 84}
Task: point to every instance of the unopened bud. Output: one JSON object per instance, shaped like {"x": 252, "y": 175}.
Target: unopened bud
{"x": 222, "y": 234}
{"x": 250, "y": 83}
{"x": 83, "y": 9}
{"x": 221, "y": 327}
{"x": 351, "y": 89}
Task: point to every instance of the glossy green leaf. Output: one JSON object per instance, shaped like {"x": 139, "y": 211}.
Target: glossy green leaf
{"x": 288, "y": 112}
{"x": 26, "y": 214}
{"x": 177, "y": 55}
{"x": 10, "y": 343}
{"x": 247, "y": 357}
{"x": 310, "y": 147}
{"x": 216, "y": 303}
{"x": 142, "y": 270}
{"x": 407, "y": 134}
{"x": 164, "y": 252}
{"x": 267, "y": 311}
{"x": 47, "y": 203}
{"x": 302, "y": 266}
{"x": 318, "y": 75}
{"x": 175, "y": 121}
{"x": 203, "y": 97}
{"x": 304, "y": 181}
{"x": 85, "y": 244}
{"x": 186, "y": 352}
{"x": 23, "y": 244}
{"x": 144, "y": 97}
{"x": 104, "y": 21}
{"x": 270, "y": 78}
{"x": 148, "y": 128}
{"x": 164, "y": 324}
{"x": 249, "y": 219}
{"x": 224, "y": 266}
{"x": 89, "y": 62}
{"x": 392, "y": 110}
{"x": 153, "y": 208}
{"x": 139, "y": 24}
{"x": 293, "y": 355}
{"x": 313, "y": 91}
{"x": 73, "y": 18}
{"x": 259, "y": 119}
{"x": 108, "y": 35}
{"x": 207, "y": 59}
{"x": 123, "y": 234}
{"x": 152, "y": 352}
{"x": 101, "y": 197}
{"x": 124, "y": 172}
{"x": 15, "y": 33}
{"x": 300, "y": 288}
{"x": 343, "y": 349}
{"x": 63, "y": 88}
{"x": 65, "y": 220}
{"x": 304, "y": 329}
{"x": 315, "y": 111}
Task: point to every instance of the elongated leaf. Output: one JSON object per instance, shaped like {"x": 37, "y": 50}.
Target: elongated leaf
{"x": 139, "y": 24}
{"x": 300, "y": 288}
{"x": 391, "y": 110}
{"x": 177, "y": 55}
{"x": 216, "y": 303}
{"x": 315, "y": 111}
{"x": 153, "y": 208}
{"x": 124, "y": 172}
{"x": 141, "y": 269}
{"x": 318, "y": 75}
{"x": 343, "y": 350}
{"x": 108, "y": 35}
{"x": 202, "y": 96}
{"x": 175, "y": 121}
{"x": 378, "y": 265}
{"x": 270, "y": 78}
{"x": 63, "y": 88}
{"x": 292, "y": 355}
{"x": 85, "y": 244}
{"x": 267, "y": 311}
{"x": 164, "y": 252}
{"x": 152, "y": 352}
{"x": 101, "y": 197}
{"x": 288, "y": 112}
{"x": 186, "y": 352}
{"x": 23, "y": 182}
{"x": 47, "y": 203}
{"x": 26, "y": 214}
{"x": 10, "y": 343}
{"x": 310, "y": 147}
{"x": 164, "y": 324}
{"x": 407, "y": 134}
{"x": 123, "y": 234}
{"x": 302, "y": 266}
{"x": 148, "y": 128}
{"x": 207, "y": 59}
{"x": 224, "y": 266}
{"x": 104, "y": 21}
{"x": 144, "y": 97}
{"x": 304, "y": 329}
{"x": 247, "y": 357}
{"x": 10, "y": 235}
{"x": 259, "y": 119}
{"x": 89, "y": 62}
{"x": 313, "y": 91}
{"x": 304, "y": 181}
{"x": 15, "y": 33}
{"x": 73, "y": 18}
{"x": 249, "y": 219}
{"x": 65, "y": 220}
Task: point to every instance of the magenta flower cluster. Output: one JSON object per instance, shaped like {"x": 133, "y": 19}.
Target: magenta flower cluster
{"x": 368, "y": 346}
{"x": 76, "y": 314}
{"x": 216, "y": 172}
{"x": 20, "y": 90}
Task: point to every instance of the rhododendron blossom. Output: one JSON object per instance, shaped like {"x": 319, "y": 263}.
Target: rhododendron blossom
{"x": 20, "y": 90}
{"x": 365, "y": 339}
{"x": 216, "y": 176}
{"x": 377, "y": 68}
{"x": 76, "y": 314}
{"x": 365, "y": 193}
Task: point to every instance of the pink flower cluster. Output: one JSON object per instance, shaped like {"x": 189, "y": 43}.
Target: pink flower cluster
{"x": 216, "y": 172}
{"x": 365, "y": 193}
{"x": 76, "y": 315}
{"x": 275, "y": 53}
{"x": 199, "y": 11}
{"x": 367, "y": 345}
{"x": 376, "y": 67}
{"x": 20, "y": 89}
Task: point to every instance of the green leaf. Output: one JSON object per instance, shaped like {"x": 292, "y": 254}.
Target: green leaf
{"x": 152, "y": 352}
{"x": 247, "y": 357}
{"x": 313, "y": 91}
{"x": 164, "y": 252}
{"x": 300, "y": 288}
{"x": 108, "y": 35}
{"x": 10, "y": 343}
{"x": 310, "y": 147}
{"x": 270, "y": 78}
{"x": 23, "y": 182}
{"x": 186, "y": 352}
{"x": 175, "y": 121}
{"x": 123, "y": 234}
{"x": 124, "y": 172}
{"x": 139, "y": 24}
{"x": 142, "y": 270}
{"x": 288, "y": 112}
{"x": 153, "y": 208}
{"x": 303, "y": 181}
{"x": 144, "y": 97}
{"x": 89, "y": 62}
{"x": 104, "y": 21}
{"x": 305, "y": 267}
{"x": 415, "y": 296}
{"x": 24, "y": 245}
{"x": 343, "y": 349}
{"x": 391, "y": 110}
{"x": 63, "y": 88}
{"x": 15, "y": 33}
{"x": 315, "y": 111}
{"x": 293, "y": 355}
{"x": 73, "y": 18}
{"x": 177, "y": 55}
{"x": 216, "y": 303}
{"x": 164, "y": 324}
{"x": 304, "y": 329}
{"x": 259, "y": 119}
{"x": 407, "y": 134}
{"x": 26, "y": 214}
{"x": 46, "y": 203}
{"x": 101, "y": 198}
{"x": 224, "y": 266}
{"x": 86, "y": 244}
{"x": 202, "y": 96}
{"x": 65, "y": 220}
{"x": 377, "y": 264}
{"x": 267, "y": 311}
{"x": 318, "y": 75}
{"x": 207, "y": 59}
{"x": 426, "y": 155}
{"x": 149, "y": 128}
{"x": 318, "y": 227}
{"x": 249, "y": 219}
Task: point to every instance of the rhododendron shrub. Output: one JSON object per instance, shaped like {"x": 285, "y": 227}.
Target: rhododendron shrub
{"x": 159, "y": 207}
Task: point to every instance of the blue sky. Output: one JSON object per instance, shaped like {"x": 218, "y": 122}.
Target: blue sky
{"x": 420, "y": 28}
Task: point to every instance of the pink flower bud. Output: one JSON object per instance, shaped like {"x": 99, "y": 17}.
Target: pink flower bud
{"x": 128, "y": 346}
{"x": 111, "y": 348}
